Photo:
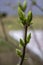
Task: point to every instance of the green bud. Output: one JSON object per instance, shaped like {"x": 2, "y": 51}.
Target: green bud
{"x": 29, "y": 17}
{"x": 24, "y": 5}
{"x": 21, "y": 16}
{"x": 21, "y": 42}
{"x": 21, "y": 6}
{"x": 28, "y": 38}
{"x": 19, "y": 52}
{"x": 21, "y": 13}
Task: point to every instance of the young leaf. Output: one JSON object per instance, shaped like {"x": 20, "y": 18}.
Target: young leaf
{"x": 21, "y": 15}
{"x": 22, "y": 22}
{"x": 20, "y": 46}
{"x": 24, "y": 5}
{"x": 28, "y": 38}
{"x": 21, "y": 6}
{"x": 21, "y": 42}
{"x": 29, "y": 17}
{"x": 19, "y": 52}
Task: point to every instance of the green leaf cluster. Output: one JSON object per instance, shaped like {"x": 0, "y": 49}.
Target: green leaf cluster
{"x": 24, "y": 19}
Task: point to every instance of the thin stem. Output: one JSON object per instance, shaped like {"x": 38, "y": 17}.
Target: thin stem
{"x": 24, "y": 48}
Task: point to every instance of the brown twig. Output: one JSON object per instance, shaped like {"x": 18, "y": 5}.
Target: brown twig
{"x": 24, "y": 48}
